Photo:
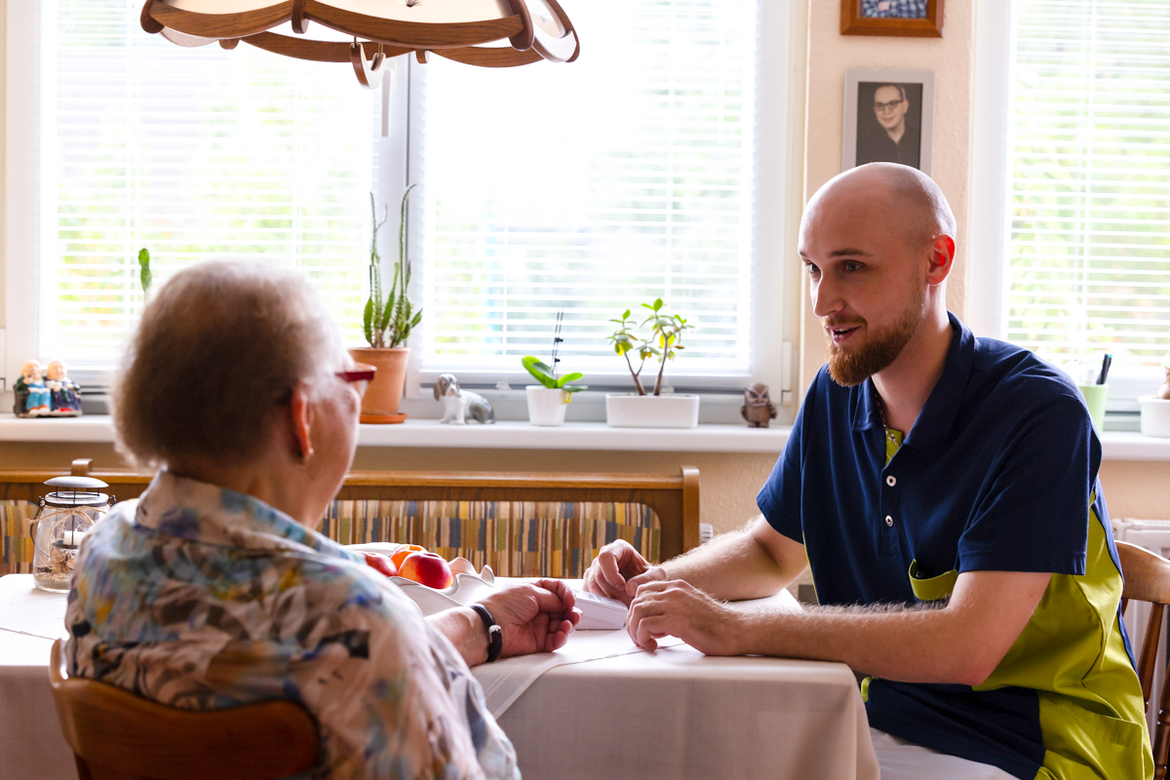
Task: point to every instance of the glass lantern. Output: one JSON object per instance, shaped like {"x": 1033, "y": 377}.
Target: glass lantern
{"x": 65, "y": 517}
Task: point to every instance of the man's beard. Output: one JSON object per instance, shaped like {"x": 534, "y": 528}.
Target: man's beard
{"x": 849, "y": 369}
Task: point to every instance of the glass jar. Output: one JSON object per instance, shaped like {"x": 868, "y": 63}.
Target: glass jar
{"x": 65, "y": 516}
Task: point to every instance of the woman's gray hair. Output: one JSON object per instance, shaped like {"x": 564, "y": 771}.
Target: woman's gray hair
{"x": 216, "y": 355}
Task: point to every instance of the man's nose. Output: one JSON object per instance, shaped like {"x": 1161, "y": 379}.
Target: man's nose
{"x": 825, "y": 297}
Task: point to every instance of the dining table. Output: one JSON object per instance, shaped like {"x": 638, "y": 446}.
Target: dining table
{"x": 600, "y": 707}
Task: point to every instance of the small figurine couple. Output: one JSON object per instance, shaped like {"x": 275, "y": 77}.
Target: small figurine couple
{"x": 47, "y": 393}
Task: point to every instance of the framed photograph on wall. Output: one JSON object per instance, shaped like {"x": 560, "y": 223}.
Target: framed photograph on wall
{"x": 889, "y": 117}
{"x": 914, "y": 18}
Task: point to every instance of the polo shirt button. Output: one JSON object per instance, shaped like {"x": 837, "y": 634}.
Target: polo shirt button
{"x": 889, "y": 521}
{"x": 891, "y": 481}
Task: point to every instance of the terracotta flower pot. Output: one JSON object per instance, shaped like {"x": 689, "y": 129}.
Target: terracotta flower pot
{"x": 380, "y": 404}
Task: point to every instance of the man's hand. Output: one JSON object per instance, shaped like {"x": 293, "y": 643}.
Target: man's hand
{"x": 535, "y": 617}
{"x": 674, "y": 608}
{"x": 618, "y": 570}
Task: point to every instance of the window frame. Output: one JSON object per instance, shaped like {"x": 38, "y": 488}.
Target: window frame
{"x": 991, "y": 209}
{"x": 773, "y": 361}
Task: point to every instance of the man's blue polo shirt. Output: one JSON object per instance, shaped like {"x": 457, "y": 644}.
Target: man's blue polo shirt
{"x": 998, "y": 473}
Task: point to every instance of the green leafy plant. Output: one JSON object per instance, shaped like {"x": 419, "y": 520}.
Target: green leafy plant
{"x": 663, "y": 343}
{"x": 387, "y": 322}
{"x": 144, "y": 275}
{"x": 546, "y": 374}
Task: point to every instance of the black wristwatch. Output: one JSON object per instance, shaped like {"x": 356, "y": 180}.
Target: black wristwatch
{"x": 495, "y": 633}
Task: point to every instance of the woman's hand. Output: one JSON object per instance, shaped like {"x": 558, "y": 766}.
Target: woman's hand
{"x": 618, "y": 570}
{"x": 535, "y": 617}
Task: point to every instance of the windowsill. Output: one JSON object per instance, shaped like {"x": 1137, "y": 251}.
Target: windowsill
{"x": 97, "y": 428}
{"x": 503, "y": 435}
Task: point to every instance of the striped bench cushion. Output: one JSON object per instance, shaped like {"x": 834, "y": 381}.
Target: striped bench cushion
{"x": 16, "y": 557}
{"x": 515, "y": 538}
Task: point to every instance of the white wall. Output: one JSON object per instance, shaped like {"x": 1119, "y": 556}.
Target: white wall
{"x": 952, "y": 60}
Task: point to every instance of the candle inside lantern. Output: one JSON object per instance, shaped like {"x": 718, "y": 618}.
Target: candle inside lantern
{"x": 72, "y": 538}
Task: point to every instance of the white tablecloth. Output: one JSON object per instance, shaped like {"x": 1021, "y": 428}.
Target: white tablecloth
{"x": 31, "y": 745}
{"x": 677, "y": 714}
{"x": 672, "y": 714}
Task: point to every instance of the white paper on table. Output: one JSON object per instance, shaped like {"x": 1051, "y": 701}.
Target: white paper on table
{"x": 504, "y": 681}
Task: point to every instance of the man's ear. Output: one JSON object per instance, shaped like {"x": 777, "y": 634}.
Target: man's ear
{"x": 941, "y": 260}
{"x": 300, "y": 422}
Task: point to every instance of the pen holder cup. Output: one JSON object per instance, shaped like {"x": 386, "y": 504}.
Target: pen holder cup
{"x": 1095, "y": 396}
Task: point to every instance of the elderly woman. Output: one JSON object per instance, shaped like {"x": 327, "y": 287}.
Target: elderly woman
{"x": 213, "y": 589}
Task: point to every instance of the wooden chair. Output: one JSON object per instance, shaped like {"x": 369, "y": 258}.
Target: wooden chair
{"x": 1147, "y": 578}
{"x": 116, "y": 735}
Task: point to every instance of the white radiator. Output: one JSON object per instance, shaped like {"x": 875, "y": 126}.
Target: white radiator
{"x": 1154, "y": 535}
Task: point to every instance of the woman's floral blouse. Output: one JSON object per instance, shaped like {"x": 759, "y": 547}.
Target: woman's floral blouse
{"x": 202, "y": 598}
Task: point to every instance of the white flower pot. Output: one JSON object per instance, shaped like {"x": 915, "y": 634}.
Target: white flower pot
{"x": 546, "y": 405}
{"x": 1155, "y": 416}
{"x": 630, "y": 410}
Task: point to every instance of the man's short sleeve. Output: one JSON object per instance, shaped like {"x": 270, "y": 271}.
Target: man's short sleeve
{"x": 1034, "y": 514}
{"x": 779, "y": 498}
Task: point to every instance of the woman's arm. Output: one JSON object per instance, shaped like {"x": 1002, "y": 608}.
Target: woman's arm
{"x": 533, "y": 617}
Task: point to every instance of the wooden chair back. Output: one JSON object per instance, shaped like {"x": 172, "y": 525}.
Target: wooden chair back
{"x": 116, "y": 735}
{"x": 1147, "y": 578}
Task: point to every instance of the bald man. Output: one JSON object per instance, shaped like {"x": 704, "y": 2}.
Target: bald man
{"x": 943, "y": 488}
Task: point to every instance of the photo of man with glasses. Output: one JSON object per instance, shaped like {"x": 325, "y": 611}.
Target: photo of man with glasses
{"x": 894, "y": 134}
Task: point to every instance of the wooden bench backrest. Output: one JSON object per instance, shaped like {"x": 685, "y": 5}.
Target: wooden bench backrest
{"x": 674, "y": 499}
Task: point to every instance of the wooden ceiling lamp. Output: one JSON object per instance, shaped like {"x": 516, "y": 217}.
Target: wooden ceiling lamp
{"x": 488, "y": 33}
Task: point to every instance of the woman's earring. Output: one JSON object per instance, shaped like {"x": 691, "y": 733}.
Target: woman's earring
{"x": 305, "y": 457}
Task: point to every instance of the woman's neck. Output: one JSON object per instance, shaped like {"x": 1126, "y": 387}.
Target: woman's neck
{"x": 265, "y": 478}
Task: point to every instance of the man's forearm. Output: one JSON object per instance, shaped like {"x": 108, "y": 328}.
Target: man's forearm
{"x": 907, "y": 645}
{"x": 736, "y": 565}
{"x": 961, "y": 642}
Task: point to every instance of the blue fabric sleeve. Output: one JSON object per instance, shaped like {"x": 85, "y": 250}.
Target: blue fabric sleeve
{"x": 1034, "y": 515}
{"x": 779, "y": 498}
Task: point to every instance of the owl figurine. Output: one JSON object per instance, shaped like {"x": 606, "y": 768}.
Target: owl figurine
{"x": 757, "y": 408}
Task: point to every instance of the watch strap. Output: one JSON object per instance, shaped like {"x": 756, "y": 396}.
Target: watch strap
{"x": 495, "y": 633}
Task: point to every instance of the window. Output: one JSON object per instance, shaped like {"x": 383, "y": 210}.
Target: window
{"x": 588, "y": 187}
{"x": 189, "y": 153}
{"x": 593, "y": 188}
{"x": 1089, "y": 268}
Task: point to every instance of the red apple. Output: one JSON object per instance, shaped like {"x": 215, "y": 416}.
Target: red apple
{"x": 399, "y": 555}
{"x": 427, "y": 568}
{"x": 381, "y": 563}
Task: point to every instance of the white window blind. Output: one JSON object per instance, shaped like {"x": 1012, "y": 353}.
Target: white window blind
{"x": 190, "y": 153}
{"x": 591, "y": 188}
{"x": 1090, "y": 237}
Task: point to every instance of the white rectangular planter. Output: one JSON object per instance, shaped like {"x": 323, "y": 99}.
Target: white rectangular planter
{"x": 630, "y": 410}
{"x": 1155, "y": 416}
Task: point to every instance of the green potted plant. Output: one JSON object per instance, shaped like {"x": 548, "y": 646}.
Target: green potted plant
{"x": 547, "y": 400}
{"x": 664, "y": 341}
{"x": 387, "y": 322}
